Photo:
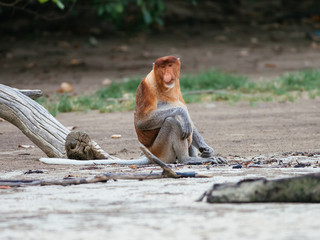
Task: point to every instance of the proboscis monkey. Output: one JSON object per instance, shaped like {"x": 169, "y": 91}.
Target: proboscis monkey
{"x": 161, "y": 118}
{"x": 162, "y": 122}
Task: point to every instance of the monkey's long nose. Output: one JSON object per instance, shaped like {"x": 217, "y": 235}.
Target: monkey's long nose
{"x": 167, "y": 77}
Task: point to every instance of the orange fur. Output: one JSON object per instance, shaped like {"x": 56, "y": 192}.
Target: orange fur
{"x": 153, "y": 89}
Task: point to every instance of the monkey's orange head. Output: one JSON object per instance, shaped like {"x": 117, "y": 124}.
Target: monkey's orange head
{"x": 167, "y": 71}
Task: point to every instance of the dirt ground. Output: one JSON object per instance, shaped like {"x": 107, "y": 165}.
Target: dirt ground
{"x": 163, "y": 208}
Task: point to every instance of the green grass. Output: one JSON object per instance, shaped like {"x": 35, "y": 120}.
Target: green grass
{"x": 119, "y": 96}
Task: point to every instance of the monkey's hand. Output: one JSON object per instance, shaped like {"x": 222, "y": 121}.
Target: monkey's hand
{"x": 186, "y": 128}
{"x": 206, "y": 152}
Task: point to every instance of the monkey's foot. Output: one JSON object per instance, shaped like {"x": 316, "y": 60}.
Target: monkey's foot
{"x": 199, "y": 161}
{"x": 79, "y": 146}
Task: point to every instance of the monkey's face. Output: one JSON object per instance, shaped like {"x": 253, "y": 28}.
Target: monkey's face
{"x": 167, "y": 71}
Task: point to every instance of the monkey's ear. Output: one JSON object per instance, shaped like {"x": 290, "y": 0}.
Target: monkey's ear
{"x": 152, "y": 64}
{"x": 179, "y": 59}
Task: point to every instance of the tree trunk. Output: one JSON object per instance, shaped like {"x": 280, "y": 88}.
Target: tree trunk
{"x": 34, "y": 121}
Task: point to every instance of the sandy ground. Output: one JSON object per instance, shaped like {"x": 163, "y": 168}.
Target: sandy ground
{"x": 163, "y": 208}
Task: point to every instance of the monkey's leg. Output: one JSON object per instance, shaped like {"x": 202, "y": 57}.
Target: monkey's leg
{"x": 193, "y": 151}
{"x": 169, "y": 146}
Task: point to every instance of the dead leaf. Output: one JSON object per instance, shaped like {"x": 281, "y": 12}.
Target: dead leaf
{"x": 76, "y": 62}
{"x": 221, "y": 38}
{"x": 116, "y": 136}
{"x": 133, "y": 166}
{"x": 71, "y": 128}
{"x": 30, "y": 65}
{"x": 246, "y": 164}
{"x": 65, "y": 88}
{"x": 270, "y": 65}
{"x": 122, "y": 48}
{"x": 5, "y": 187}
{"x": 64, "y": 44}
{"x": 315, "y": 18}
{"x": 26, "y": 146}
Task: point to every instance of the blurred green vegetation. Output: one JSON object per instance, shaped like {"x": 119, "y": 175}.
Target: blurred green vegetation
{"x": 207, "y": 86}
{"x": 121, "y": 13}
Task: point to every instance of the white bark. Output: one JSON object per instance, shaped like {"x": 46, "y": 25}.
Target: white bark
{"x": 34, "y": 121}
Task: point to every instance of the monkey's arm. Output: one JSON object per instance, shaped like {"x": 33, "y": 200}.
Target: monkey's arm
{"x": 156, "y": 118}
{"x": 199, "y": 143}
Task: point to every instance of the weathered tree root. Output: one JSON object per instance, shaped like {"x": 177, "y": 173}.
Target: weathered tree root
{"x": 79, "y": 146}
{"x": 297, "y": 189}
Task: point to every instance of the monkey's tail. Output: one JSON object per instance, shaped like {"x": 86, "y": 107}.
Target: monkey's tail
{"x": 65, "y": 161}
{"x": 150, "y": 158}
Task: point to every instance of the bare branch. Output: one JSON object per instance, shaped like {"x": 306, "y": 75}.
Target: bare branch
{"x": 3, "y": 4}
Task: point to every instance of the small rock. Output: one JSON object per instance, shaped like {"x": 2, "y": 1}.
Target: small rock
{"x": 277, "y": 49}
{"x": 237, "y": 166}
{"x": 9, "y": 55}
{"x": 123, "y": 48}
{"x": 315, "y": 46}
{"x": 93, "y": 41}
{"x": 254, "y": 40}
{"x": 243, "y": 53}
{"x": 106, "y": 82}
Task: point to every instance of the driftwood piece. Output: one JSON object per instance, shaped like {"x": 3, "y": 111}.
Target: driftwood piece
{"x": 18, "y": 108}
{"x": 297, "y": 189}
{"x": 99, "y": 178}
{"x": 167, "y": 171}
{"x": 34, "y": 121}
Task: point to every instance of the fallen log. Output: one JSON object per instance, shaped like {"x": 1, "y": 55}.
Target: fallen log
{"x": 297, "y": 189}
{"x": 55, "y": 140}
{"x": 4, "y": 184}
{"x": 33, "y": 120}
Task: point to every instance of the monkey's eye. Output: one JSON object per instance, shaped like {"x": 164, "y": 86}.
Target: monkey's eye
{"x": 170, "y": 65}
{"x": 162, "y": 66}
